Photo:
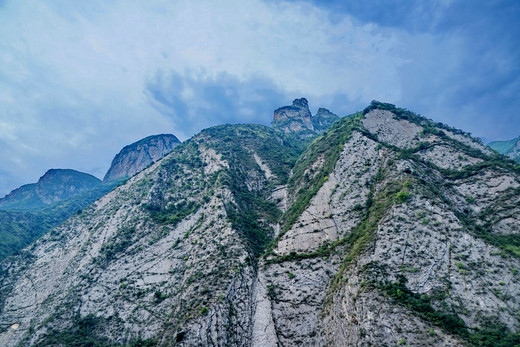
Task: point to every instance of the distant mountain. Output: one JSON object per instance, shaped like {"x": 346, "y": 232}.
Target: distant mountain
{"x": 137, "y": 156}
{"x": 510, "y": 148}
{"x": 298, "y": 119}
{"x": 323, "y": 120}
{"x": 19, "y": 228}
{"x": 54, "y": 186}
{"x": 33, "y": 209}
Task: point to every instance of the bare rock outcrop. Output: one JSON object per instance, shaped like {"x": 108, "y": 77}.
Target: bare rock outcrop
{"x": 139, "y": 155}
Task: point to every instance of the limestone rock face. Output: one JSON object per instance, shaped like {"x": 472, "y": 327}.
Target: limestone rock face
{"x": 54, "y": 186}
{"x": 387, "y": 230}
{"x": 137, "y": 156}
{"x": 295, "y": 118}
{"x": 298, "y": 119}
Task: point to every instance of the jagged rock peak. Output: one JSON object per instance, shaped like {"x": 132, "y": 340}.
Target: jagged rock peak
{"x": 324, "y": 112}
{"x": 138, "y": 155}
{"x": 302, "y": 102}
{"x": 295, "y": 118}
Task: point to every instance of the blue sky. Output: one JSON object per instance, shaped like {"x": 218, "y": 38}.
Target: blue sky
{"x": 79, "y": 80}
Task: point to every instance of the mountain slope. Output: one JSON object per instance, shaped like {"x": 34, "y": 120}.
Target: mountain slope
{"x": 387, "y": 230}
{"x": 19, "y": 228}
{"x": 510, "y": 148}
{"x": 323, "y": 119}
{"x": 138, "y": 155}
{"x": 204, "y": 212}
{"x": 54, "y": 186}
{"x": 36, "y": 208}
{"x": 409, "y": 224}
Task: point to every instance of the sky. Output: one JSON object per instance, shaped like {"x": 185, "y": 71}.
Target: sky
{"x": 81, "y": 79}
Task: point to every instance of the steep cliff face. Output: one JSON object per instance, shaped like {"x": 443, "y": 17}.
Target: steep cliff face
{"x": 387, "y": 230}
{"x": 298, "y": 119}
{"x": 295, "y": 118}
{"x": 510, "y": 148}
{"x": 407, "y": 239}
{"x": 54, "y": 186}
{"x": 137, "y": 156}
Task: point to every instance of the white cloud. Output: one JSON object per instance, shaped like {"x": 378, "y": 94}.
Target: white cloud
{"x": 81, "y": 79}
{"x": 73, "y": 75}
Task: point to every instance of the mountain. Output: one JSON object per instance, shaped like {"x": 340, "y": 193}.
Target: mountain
{"x": 138, "y": 155}
{"x": 388, "y": 229}
{"x": 19, "y": 228}
{"x": 33, "y": 209}
{"x": 323, "y": 119}
{"x": 298, "y": 119}
{"x": 510, "y": 148}
{"x": 54, "y": 186}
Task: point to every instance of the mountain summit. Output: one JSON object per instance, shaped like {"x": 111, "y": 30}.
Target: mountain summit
{"x": 54, "y": 186}
{"x": 298, "y": 119}
{"x": 138, "y": 155}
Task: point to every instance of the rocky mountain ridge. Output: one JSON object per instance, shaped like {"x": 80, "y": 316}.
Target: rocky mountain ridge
{"x": 388, "y": 229}
{"x": 33, "y": 209}
{"x": 298, "y": 119}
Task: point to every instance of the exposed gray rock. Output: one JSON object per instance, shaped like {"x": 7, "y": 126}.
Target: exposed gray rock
{"x": 389, "y": 232}
{"x": 138, "y": 155}
{"x": 295, "y": 118}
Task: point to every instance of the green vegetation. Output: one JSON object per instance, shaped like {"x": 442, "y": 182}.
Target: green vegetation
{"x": 402, "y": 196}
{"x": 252, "y": 203}
{"x": 493, "y": 334}
{"x": 172, "y": 214}
{"x": 421, "y": 304}
{"x": 504, "y": 147}
{"x": 18, "y": 229}
{"x": 509, "y": 243}
{"x": 363, "y": 234}
{"x": 306, "y": 180}
{"x": 84, "y": 332}
{"x": 235, "y": 142}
